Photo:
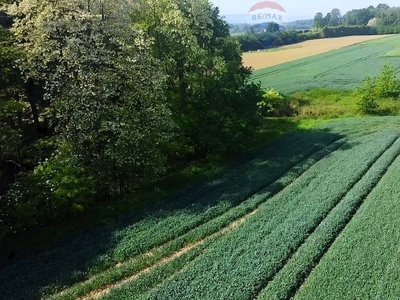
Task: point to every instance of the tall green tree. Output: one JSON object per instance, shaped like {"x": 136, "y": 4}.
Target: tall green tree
{"x": 126, "y": 82}
{"x": 389, "y": 21}
{"x": 104, "y": 87}
{"x": 335, "y": 18}
{"x": 208, "y": 91}
{"x": 272, "y": 27}
{"x": 12, "y": 105}
{"x": 319, "y": 20}
{"x": 328, "y": 19}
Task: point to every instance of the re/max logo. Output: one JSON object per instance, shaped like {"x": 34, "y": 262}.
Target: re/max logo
{"x": 266, "y": 16}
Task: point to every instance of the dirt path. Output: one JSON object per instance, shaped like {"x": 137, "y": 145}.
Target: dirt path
{"x": 104, "y": 290}
{"x": 264, "y": 59}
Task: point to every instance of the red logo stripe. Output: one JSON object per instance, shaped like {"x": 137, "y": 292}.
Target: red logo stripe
{"x": 267, "y": 4}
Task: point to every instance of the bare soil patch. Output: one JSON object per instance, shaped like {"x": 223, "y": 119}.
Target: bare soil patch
{"x": 264, "y": 59}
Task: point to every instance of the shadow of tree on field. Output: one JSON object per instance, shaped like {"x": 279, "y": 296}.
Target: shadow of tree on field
{"x": 68, "y": 260}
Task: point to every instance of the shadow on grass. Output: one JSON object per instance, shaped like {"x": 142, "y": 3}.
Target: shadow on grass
{"x": 70, "y": 259}
{"x": 390, "y": 111}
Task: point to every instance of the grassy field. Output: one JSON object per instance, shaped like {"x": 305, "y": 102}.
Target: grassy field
{"x": 341, "y": 69}
{"x": 282, "y": 222}
{"x": 322, "y": 104}
{"x": 368, "y": 248}
{"x": 275, "y": 56}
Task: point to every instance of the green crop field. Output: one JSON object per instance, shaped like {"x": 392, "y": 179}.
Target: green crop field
{"x": 341, "y": 69}
{"x": 313, "y": 215}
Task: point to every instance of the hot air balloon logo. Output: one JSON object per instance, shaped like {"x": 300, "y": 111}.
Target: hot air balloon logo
{"x": 266, "y": 11}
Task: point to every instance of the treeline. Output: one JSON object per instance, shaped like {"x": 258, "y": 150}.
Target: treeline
{"x": 341, "y": 31}
{"x": 383, "y": 18}
{"x": 99, "y": 98}
{"x": 294, "y": 25}
{"x": 367, "y": 21}
{"x": 389, "y": 21}
{"x": 259, "y": 41}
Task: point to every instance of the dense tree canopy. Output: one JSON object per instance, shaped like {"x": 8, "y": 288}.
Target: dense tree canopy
{"x": 119, "y": 91}
{"x": 319, "y": 20}
{"x": 387, "y": 18}
{"x": 358, "y": 16}
{"x": 389, "y": 21}
{"x": 383, "y": 18}
{"x": 333, "y": 18}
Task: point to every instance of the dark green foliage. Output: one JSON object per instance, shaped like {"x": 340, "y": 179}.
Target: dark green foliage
{"x": 331, "y": 32}
{"x": 336, "y": 18}
{"x": 129, "y": 101}
{"x": 309, "y": 36}
{"x": 11, "y": 110}
{"x": 56, "y": 189}
{"x": 272, "y": 27}
{"x": 388, "y": 21}
{"x": 319, "y": 21}
{"x": 359, "y": 17}
{"x": 258, "y": 41}
{"x": 208, "y": 89}
{"x": 333, "y": 18}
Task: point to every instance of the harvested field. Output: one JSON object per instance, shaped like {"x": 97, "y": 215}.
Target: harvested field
{"x": 264, "y": 59}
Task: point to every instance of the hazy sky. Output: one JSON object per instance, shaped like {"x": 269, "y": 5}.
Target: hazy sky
{"x": 304, "y": 8}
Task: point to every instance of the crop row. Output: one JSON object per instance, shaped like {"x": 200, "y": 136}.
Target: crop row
{"x": 95, "y": 251}
{"x": 237, "y": 265}
{"x": 199, "y": 233}
{"x": 193, "y": 210}
{"x": 77, "y": 257}
{"x": 293, "y": 274}
{"x": 363, "y": 262}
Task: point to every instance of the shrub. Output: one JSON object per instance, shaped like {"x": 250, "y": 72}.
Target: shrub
{"x": 383, "y": 86}
{"x": 54, "y": 190}
{"x": 274, "y": 104}
{"x": 367, "y": 102}
{"x": 386, "y": 84}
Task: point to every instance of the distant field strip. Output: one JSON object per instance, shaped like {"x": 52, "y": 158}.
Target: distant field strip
{"x": 341, "y": 69}
{"x": 269, "y": 228}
